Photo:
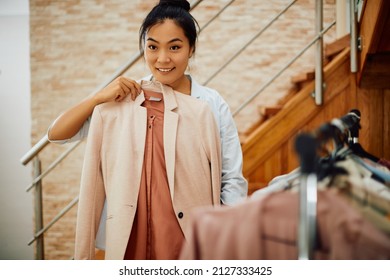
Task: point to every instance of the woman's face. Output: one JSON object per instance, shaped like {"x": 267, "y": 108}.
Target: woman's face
{"x": 167, "y": 52}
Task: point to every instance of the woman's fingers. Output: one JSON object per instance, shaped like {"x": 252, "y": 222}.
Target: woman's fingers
{"x": 118, "y": 89}
{"x": 120, "y": 94}
{"x": 130, "y": 87}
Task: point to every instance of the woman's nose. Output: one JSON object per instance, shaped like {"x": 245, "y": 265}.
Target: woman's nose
{"x": 163, "y": 57}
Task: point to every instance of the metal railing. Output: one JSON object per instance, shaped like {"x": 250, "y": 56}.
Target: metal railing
{"x": 249, "y": 42}
{"x": 37, "y": 148}
{"x": 269, "y": 82}
{"x": 354, "y": 37}
{"x": 319, "y": 51}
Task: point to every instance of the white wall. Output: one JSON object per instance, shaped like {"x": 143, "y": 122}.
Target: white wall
{"x": 16, "y": 205}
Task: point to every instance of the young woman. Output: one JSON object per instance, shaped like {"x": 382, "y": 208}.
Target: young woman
{"x": 167, "y": 36}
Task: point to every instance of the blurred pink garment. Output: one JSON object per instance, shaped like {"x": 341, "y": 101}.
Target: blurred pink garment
{"x": 266, "y": 228}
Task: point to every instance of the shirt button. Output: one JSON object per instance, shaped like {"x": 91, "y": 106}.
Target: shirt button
{"x": 180, "y": 215}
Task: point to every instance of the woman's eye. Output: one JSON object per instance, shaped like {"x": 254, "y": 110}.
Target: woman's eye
{"x": 151, "y": 47}
{"x": 175, "y": 48}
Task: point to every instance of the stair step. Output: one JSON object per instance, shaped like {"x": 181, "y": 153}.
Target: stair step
{"x": 337, "y": 46}
{"x": 303, "y": 77}
{"x": 269, "y": 111}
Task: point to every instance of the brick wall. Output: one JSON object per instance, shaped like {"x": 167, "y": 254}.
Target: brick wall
{"x": 77, "y": 45}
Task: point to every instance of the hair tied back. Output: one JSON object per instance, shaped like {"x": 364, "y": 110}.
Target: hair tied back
{"x": 177, "y": 3}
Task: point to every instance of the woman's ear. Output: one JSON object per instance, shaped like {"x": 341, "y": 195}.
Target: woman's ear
{"x": 191, "y": 52}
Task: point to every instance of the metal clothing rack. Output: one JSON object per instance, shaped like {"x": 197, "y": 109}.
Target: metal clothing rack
{"x": 306, "y": 146}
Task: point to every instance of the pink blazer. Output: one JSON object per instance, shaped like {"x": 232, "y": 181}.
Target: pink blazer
{"x": 113, "y": 164}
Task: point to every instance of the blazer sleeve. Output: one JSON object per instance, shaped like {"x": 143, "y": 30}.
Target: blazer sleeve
{"x": 92, "y": 194}
{"x": 211, "y": 143}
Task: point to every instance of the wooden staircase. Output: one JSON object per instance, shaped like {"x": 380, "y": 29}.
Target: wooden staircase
{"x": 268, "y": 144}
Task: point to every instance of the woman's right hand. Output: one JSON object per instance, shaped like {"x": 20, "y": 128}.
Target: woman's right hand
{"x": 70, "y": 122}
{"x": 117, "y": 90}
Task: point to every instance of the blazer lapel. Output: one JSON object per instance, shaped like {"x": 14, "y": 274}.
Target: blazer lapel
{"x": 170, "y": 129}
{"x": 139, "y": 129}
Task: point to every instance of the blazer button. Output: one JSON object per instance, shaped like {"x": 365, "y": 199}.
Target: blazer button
{"x": 180, "y": 215}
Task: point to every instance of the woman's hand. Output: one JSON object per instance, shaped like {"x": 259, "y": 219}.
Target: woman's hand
{"x": 117, "y": 90}
{"x": 71, "y": 121}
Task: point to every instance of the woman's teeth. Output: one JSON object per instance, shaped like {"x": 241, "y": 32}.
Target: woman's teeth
{"x": 165, "y": 70}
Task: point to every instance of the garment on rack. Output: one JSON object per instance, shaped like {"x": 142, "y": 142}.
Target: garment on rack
{"x": 266, "y": 225}
{"x": 378, "y": 171}
{"x": 266, "y": 228}
{"x": 279, "y": 183}
{"x": 360, "y": 184}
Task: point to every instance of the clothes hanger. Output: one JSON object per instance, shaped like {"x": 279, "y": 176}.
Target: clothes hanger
{"x": 353, "y": 139}
{"x": 333, "y": 131}
{"x": 345, "y": 134}
{"x": 358, "y": 153}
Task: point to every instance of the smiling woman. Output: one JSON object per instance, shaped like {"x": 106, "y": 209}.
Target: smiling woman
{"x": 166, "y": 146}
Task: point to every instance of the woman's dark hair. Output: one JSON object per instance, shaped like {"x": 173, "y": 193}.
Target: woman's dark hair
{"x": 176, "y": 10}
